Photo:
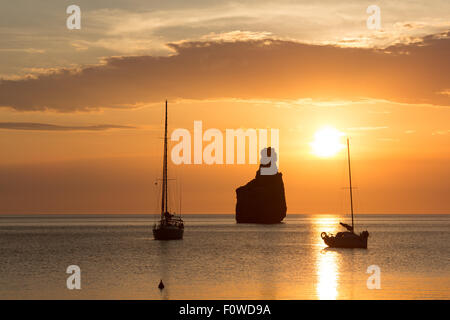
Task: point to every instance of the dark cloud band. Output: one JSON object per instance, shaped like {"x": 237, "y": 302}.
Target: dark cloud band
{"x": 255, "y": 69}
{"x": 52, "y": 127}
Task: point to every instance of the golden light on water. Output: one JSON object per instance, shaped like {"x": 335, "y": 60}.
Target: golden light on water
{"x": 327, "y": 275}
{"x": 327, "y": 142}
{"x": 327, "y": 264}
{"x": 327, "y": 223}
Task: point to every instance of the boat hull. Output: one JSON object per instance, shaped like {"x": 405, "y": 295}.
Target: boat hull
{"x": 346, "y": 243}
{"x": 346, "y": 240}
{"x": 163, "y": 232}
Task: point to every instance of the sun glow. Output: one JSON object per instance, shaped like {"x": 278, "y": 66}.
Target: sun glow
{"x": 327, "y": 142}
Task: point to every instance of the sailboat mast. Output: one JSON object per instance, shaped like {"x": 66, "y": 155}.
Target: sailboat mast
{"x": 165, "y": 158}
{"x": 164, "y": 191}
{"x": 180, "y": 199}
{"x": 350, "y": 179}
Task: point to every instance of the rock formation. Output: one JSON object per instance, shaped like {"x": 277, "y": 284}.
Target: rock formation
{"x": 262, "y": 200}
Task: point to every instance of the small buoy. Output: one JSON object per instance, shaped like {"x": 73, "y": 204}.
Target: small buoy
{"x": 161, "y": 285}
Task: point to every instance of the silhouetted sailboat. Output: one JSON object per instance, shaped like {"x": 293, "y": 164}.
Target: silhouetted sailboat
{"x": 347, "y": 239}
{"x": 169, "y": 227}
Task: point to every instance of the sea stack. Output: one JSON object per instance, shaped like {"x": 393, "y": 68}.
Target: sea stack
{"x": 262, "y": 200}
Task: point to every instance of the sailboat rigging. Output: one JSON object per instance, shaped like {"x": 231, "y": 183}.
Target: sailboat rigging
{"x": 169, "y": 227}
{"x": 348, "y": 239}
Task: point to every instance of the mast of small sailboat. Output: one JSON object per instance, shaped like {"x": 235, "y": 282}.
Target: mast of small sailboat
{"x": 164, "y": 190}
{"x": 350, "y": 179}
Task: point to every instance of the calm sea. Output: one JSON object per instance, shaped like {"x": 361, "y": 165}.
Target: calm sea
{"x": 219, "y": 259}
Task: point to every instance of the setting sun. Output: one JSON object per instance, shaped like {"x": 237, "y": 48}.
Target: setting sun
{"x": 327, "y": 142}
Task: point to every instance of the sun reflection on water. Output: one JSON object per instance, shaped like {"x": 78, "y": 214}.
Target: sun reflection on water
{"x": 328, "y": 275}
{"x": 326, "y": 262}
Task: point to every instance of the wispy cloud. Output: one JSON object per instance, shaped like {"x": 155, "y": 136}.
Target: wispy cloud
{"x": 281, "y": 19}
{"x": 445, "y": 92}
{"x": 52, "y": 127}
{"x": 237, "y": 35}
{"x": 366, "y": 128}
{"x": 389, "y": 139}
{"x": 441, "y": 132}
{"x": 26, "y": 50}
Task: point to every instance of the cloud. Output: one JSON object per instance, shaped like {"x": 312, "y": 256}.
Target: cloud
{"x": 26, "y": 50}
{"x": 441, "y": 132}
{"x": 445, "y": 92}
{"x": 367, "y": 128}
{"x": 237, "y": 35}
{"x": 52, "y": 127}
{"x": 334, "y": 22}
{"x": 142, "y": 27}
{"x": 253, "y": 69}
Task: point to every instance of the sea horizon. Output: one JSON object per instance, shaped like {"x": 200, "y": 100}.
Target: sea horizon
{"x": 200, "y": 214}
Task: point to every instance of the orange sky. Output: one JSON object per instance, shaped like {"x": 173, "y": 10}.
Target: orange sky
{"x": 84, "y": 136}
{"x": 400, "y": 162}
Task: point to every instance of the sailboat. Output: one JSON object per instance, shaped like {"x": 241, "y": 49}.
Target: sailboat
{"x": 169, "y": 227}
{"x": 347, "y": 239}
